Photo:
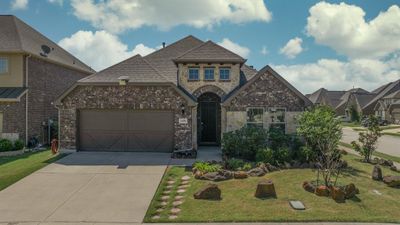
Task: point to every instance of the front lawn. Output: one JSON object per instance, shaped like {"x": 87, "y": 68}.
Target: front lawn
{"x": 375, "y": 153}
{"x": 14, "y": 168}
{"x": 239, "y": 205}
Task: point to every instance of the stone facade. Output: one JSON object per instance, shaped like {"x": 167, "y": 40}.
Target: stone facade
{"x": 225, "y": 85}
{"x": 266, "y": 92}
{"x": 130, "y": 97}
{"x": 209, "y": 88}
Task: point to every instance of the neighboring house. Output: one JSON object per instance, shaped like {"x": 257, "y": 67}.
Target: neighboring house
{"x": 387, "y": 103}
{"x": 325, "y": 97}
{"x": 184, "y": 95}
{"x": 33, "y": 72}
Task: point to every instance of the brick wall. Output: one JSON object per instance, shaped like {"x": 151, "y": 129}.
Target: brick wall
{"x": 47, "y": 81}
{"x": 14, "y": 117}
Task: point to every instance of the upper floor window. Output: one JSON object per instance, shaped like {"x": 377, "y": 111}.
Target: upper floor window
{"x": 193, "y": 73}
{"x": 3, "y": 65}
{"x": 209, "y": 74}
{"x": 224, "y": 73}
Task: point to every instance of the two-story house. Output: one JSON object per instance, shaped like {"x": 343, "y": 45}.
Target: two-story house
{"x": 184, "y": 95}
{"x": 34, "y": 71}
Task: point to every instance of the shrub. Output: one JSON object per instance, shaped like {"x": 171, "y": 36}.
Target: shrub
{"x": 244, "y": 143}
{"x": 368, "y": 139}
{"x": 277, "y": 138}
{"x": 206, "y": 167}
{"x": 247, "y": 166}
{"x": 265, "y": 155}
{"x": 18, "y": 145}
{"x": 6, "y": 145}
{"x": 282, "y": 154}
{"x": 234, "y": 164}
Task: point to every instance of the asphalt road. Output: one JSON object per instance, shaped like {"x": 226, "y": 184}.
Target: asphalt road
{"x": 386, "y": 144}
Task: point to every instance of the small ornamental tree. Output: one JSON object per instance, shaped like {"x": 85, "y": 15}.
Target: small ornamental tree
{"x": 368, "y": 139}
{"x": 322, "y": 133}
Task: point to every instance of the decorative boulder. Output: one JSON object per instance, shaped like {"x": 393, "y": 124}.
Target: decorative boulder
{"x": 240, "y": 175}
{"x": 322, "y": 191}
{"x": 218, "y": 176}
{"x": 256, "y": 172}
{"x": 388, "y": 163}
{"x": 393, "y": 167}
{"x": 265, "y": 189}
{"x": 209, "y": 192}
{"x": 377, "y": 173}
{"x": 392, "y": 181}
{"x": 198, "y": 174}
{"x": 350, "y": 191}
{"x": 271, "y": 167}
{"x": 308, "y": 186}
{"x": 338, "y": 194}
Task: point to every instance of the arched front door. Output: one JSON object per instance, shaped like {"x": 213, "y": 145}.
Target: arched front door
{"x": 209, "y": 119}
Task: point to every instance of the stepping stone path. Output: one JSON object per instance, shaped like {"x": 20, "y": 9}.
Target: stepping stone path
{"x": 160, "y": 210}
{"x": 177, "y": 203}
{"x": 175, "y": 211}
{"x": 172, "y": 217}
{"x": 178, "y": 197}
{"x": 185, "y": 182}
{"x": 298, "y": 205}
{"x": 166, "y": 192}
{"x": 171, "y": 182}
{"x": 164, "y": 203}
{"x": 165, "y": 197}
{"x": 156, "y": 217}
{"x": 169, "y": 187}
{"x": 180, "y": 191}
{"x": 183, "y": 186}
{"x": 185, "y": 178}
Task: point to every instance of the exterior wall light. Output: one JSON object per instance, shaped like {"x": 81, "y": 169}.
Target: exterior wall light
{"x": 183, "y": 109}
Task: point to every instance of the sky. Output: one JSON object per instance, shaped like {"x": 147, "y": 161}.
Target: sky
{"x": 337, "y": 45}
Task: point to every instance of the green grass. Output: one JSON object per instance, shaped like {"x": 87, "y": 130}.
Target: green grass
{"x": 239, "y": 205}
{"x": 390, "y": 127}
{"x": 391, "y": 134}
{"x": 344, "y": 144}
{"x": 14, "y": 168}
{"x": 359, "y": 129}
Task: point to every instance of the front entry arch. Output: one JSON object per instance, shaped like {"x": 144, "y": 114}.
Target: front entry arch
{"x": 209, "y": 119}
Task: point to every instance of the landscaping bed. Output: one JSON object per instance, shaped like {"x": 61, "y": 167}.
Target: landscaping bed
{"x": 14, "y": 168}
{"x": 376, "y": 202}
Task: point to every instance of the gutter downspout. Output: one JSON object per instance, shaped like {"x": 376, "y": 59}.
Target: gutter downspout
{"x": 26, "y": 98}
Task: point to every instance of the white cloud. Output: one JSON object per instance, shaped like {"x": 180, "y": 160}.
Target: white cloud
{"x": 58, "y": 2}
{"x": 19, "y": 4}
{"x": 234, "y": 47}
{"x": 292, "y": 48}
{"x": 264, "y": 50}
{"x": 100, "y": 49}
{"x": 119, "y": 15}
{"x": 338, "y": 75}
{"x": 343, "y": 28}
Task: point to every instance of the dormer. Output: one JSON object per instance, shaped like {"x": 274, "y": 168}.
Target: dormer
{"x": 209, "y": 65}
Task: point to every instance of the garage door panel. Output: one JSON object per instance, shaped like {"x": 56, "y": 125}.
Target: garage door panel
{"x": 122, "y": 130}
{"x": 150, "y": 121}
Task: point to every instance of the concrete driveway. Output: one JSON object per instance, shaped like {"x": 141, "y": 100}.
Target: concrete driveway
{"x": 86, "y": 187}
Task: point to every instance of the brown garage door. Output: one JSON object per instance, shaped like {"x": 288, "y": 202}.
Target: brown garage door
{"x": 122, "y": 130}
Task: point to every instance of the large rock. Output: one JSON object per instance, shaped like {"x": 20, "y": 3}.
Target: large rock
{"x": 377, "y": 173}
{"x": 322, "y": 191}
{"x": 265, "y": 189}
{"x": 393, "y": 167}
{"x": 350, "y": 191}
{"x": 217, "y": 176}
{"x": 240, "y": 175}
{"x": 308, "y": 186}
{"x": 338, "y": 194}
{"x": 256, "y": 172}
{"x": 209, "y": 192}
{"x": 392, "y": 181}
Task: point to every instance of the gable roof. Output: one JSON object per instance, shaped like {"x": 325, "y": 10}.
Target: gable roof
{"x": 395, "y": 94}
{"x": 345, "y": 97}
{"x": 162, "y": 59}
{"x": 267, "y": 69}
{"x": 389, "y": 88}
{"x": 363, "y": 98}
{"x": 18, "y": 37}
{"x": 136, "y": 68}
{"x": 210, "y": 52}
{"x": 333, "y": 98}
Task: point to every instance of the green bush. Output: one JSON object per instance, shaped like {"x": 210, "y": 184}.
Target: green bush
{"x": 282, "y": 154}
{"x": 265, "y": 155}
{"x": 206, "y": 167}
{"x": 244, "y": 143}
{"x": 18, "y": 145}
{"x": 247, "y": 166}
{"x": 6, "y": 145}
{"x": 234, "y": 164}
{"x": 277, "y": 138}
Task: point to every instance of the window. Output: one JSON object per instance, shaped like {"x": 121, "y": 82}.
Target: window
{"x": 277, "y": 116}
{"x": 3, "y": 65}
{"x": 224, "y": 73}
{"x": 1, "y": 123}
{"x": 209, "y": 74}
{"x": 193, "y": 73}
{"x": 255, "y": 116}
